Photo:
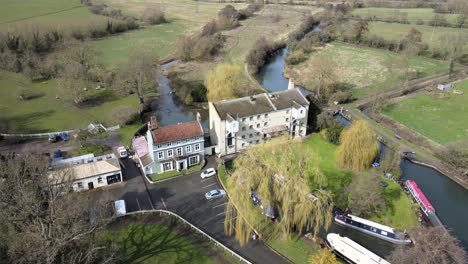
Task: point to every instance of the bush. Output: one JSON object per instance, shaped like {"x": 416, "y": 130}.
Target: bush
{"x": 125, "y": 114}
{"x": 95, "y": 149}
{"x": 333, "y": 133}
{"x": 296, "y": 57}
{"x": 199, "y": 93}
{"x": 210, "y": 28}
{"x": 228, "y": 18}
{"x": 325, "y": 120}
{"x": 28, "y": 94}
{"x": 259, "y": 54}
{"x": 154, "y": 16}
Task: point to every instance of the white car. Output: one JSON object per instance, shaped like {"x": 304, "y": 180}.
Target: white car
{"x": 208, "y": 173}
{"x": 215, "y": 194}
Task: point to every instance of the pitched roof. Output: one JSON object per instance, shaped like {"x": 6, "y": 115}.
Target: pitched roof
{"x": 87, "y": 170}
{"x": 140, "y": 146}
{"x": 260, "y": 103}
{"x": 177, "y": 132}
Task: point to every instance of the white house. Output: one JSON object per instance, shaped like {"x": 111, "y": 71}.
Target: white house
{"x": 86, "y": 172}
{"x": 238, "y": 123}
{"x": 174, "y": 147}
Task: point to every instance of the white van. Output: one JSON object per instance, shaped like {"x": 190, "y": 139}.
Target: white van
{"x": 119, "y": 207}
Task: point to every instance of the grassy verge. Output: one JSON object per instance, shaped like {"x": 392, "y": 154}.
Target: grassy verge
{"x": 440, "y": 116}
{"x": 296, "y": 250}
{"x": 222, "y": 173}
{"x": 365, "y": 68}
{"x": 400, "y": 213}
{"x": 413, "y": 14}
{"x": 126, "y": 132}
{"x": 161, "y": 239}
{"x": 169, "y": 174}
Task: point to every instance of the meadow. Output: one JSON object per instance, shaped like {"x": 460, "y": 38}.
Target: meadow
{"x": 365, "y": 68}
{"x": 434, "y": 37}
{"x": 412, "y": 14}
{"x": 46, "y": 113}
{"x": 440, "y": 116}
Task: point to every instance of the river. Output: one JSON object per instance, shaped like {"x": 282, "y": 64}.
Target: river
{"x": 448, "y": 198}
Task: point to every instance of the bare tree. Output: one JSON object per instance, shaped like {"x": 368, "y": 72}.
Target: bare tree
{"x": 323, "y": 74}
{"x": 365, "y": 196}
{"x": 139, "y": 76}
{"x": 390, "y": 163}
{"x": 432, "y": 245}
{"x": 41, "y": 221}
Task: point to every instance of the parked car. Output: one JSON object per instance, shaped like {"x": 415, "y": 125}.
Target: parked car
{"x": 208, "y": 173}
{"x": 64, "y": 136}
{"x": 122, "y": 152}
{"x": 52, "y": 138}
{"x": 215, "y": 194}
{"x": 120, "y": 208}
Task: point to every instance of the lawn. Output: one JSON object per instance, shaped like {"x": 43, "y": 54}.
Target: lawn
{"x": 433, "y": 36}
{"x": 160, "y": 39}
{"x": 169, "y": 174}
{"x": 47, "y": 113}
{"x": 400, "y": 213}
{"x": 161, "y": 239}
{"x": 337, "y": 177}
{"x": 222, "y": 173}
{"x": 413, "y": 14}
{"x": 365, "y": 68}
{"x": 440, "y": 116}
{"x": 45, "y": 14}
{"x": 296, "y": 250}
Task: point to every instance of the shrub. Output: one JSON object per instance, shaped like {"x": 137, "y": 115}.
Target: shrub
{"x": 154, "y": 16}
{"x": 333, "y": 133}
{"x": 258, "y": 55}
{"x": 228, "y": 18}
{"x": 198, "y": 93}
{"x": 296, "y": 57}
{"x": 210, "y": 28}
{"x": 28, "y": 94}
{"x": 95, "y": 149}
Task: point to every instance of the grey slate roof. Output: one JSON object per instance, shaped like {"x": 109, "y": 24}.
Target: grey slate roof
{"x": 260, "y": 103}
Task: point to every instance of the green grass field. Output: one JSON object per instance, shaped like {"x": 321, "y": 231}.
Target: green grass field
{"x": 413, "y": 14}
{"x": 432, "y": 36}
{"x": 443, "y": 119}
{"x": 152, "y": 240}
{"x": 337, "y": 177}
{"x": 46, "y": 113}
{"x": 45, "y": 14}
{"x": 295, "y": 250}
{"x": 160, "y": 39}
{"x": 365, "y": 68}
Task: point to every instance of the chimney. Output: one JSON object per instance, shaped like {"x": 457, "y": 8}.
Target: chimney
{"x": 291, "y": 84}
{"x": 153, "y": 123}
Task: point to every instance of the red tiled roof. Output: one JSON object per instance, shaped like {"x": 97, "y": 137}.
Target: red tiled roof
{"x": 140, "y": 146}
{"x": 177, "y": 132}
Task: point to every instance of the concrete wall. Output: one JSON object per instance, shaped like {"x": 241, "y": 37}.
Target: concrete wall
{"x": 95, "y": 181}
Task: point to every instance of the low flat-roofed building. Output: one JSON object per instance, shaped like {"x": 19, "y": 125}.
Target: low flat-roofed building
{"x": 86, "y": 172}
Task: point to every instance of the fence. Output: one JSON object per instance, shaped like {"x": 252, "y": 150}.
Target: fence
{"x": 193, "y": 227}
{"x": 37, "y": 134}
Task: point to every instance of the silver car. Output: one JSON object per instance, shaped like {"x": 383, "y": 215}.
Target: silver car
{"x": 215, "y": 194}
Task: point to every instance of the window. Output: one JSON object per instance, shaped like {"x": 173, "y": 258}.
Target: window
{"x": 99, "y": 179}
{"x": 243, "y": 119}
{"x": 243, "y": 136}
{"x": 258, "y": 133}
{"x": 243, "y": 144}
{"x": 179, "y": 151}
{"x": 250, "y": 135}
{"x": 258, "y": 125}
{"x": 250, "y": 142}
{"x": 197, "y": 147}
{"x": 193, "y": 160}
{"x": 265, "y": 124}
{"x": 178, "y": 142}
{"x": 159, "y": 146}
{"x": 160, "y": 155}
{"x": 167, "y": 166}
{"x": 287, "y": 111}
{"x": 287, "y": 119}
{"x": 169, "y": 144}
{"x": 258, "y": 117}
{"x": 302, "y": 111}
{"x": 266, "y": 115}
{"x": 243, "y": 128}
{"x": 188, "y": 149}
{"x": 251, "y": 126}
{"x": 170, "y": 153}
{"x": 257, "y": 141}
{"x": 251, "y": 118}
{"x": 79, "y": 184}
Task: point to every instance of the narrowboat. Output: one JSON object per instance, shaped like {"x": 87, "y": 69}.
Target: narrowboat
{"x": 351, "y": 251}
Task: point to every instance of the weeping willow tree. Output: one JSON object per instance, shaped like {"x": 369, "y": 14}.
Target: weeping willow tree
{"x": 284, "y": 174}
{"x": 358, "y": 147}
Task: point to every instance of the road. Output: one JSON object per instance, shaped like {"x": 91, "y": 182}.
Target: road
{"x": 185, "y": 196}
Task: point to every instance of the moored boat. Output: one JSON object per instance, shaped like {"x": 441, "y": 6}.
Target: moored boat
{"x": 372, "y": 228}
{"x": 419, "y": 197}
{"x": 351, "y": 251}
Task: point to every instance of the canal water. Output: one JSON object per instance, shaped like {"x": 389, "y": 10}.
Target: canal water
{"x": 449, "y": 199}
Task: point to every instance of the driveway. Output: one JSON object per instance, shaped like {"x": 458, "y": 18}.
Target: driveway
{"x": 185, "y": 196}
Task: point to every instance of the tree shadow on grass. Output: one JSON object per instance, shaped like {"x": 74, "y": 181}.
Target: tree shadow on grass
{"x": 167, "y": 242}
{"x": 25, "y": 123}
